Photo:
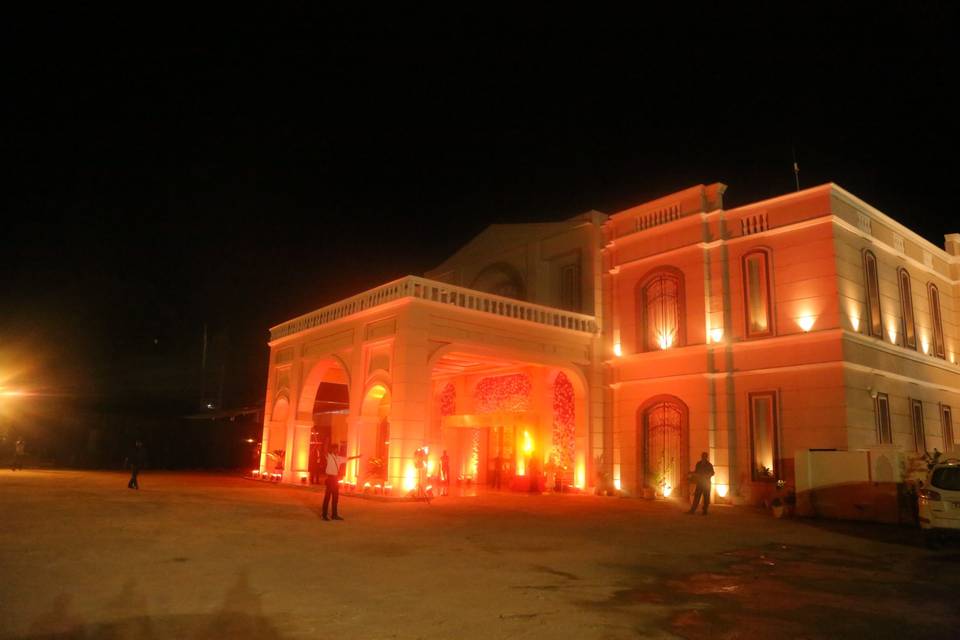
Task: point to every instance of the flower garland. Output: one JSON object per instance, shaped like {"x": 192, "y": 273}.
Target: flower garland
{"x": 564, "y": 424}
{"x": 448, "y": 400}
{"x": 504, "y": 393}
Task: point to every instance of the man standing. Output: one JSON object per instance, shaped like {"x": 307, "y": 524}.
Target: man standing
{"x": 19, "y": 453}
{"x": 137, "y": 459}
{"x": 444, "y": 474}
{"x": 703, "y": 472}
{"x": 335, "y": 462}
{"x": 316, "y": 463}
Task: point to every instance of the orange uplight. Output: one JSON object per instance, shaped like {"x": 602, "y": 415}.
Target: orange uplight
{"x": 806, "y": 322}
{"x": 527, "y": 443}
{"x": 892, "y": 333}
{"x": 716, "y": 334}
{"x": 616, "y": 484}
{"x": 410, "y": 478}
{"x": 617, "y": 349}
{"x": 665, "y": 339}
{"x": 722, "y": 490}
{"x": 667, "y": 490}
{"x": 925, "y": 344}
{"x": 855, "y": 322}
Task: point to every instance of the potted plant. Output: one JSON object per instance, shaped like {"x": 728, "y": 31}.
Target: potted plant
{"x": 375, "y": 473}
{"x": 777, "y": 505}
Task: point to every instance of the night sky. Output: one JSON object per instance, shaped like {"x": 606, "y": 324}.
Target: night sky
{"x": 167, "y": 172}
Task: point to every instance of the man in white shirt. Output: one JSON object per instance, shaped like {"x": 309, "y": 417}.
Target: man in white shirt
{"x": 333, "y": 462}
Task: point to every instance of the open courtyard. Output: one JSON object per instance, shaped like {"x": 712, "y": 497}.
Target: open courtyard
{"x": 216, "y": 556}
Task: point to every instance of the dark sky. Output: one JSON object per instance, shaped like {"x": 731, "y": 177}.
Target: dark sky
{"x": 164, "y": 172}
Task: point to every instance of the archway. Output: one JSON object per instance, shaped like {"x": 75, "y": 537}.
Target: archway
{"x": 374, "y": 436}
{"x": 663, "y": 432}
{"x": 321, "y": 420}
{"x": 273, "y": 448}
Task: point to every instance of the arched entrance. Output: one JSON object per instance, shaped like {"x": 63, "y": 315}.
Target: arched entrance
{"x": 664, "y": 445}
{"x": 321, "y": 419}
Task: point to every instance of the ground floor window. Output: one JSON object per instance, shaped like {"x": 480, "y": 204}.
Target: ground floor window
{"x": 946, "y": 419}
{"x": 882, "y": 411}
{"x": 763, "y": 434}
{"x": 916, "y": 415}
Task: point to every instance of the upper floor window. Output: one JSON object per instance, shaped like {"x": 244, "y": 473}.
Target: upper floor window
{"x": 662, "y": 310}
{"x": 906, "y": 309}
{"x": 756, "y": 292}
{"x": 882, "y": 410}
{"x": 935, "y": 320}
{"x": 570, "y": 287}
{"x": 872, "y": 282}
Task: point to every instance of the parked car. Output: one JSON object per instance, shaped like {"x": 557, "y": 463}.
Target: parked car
{"x": 939, "y": 508}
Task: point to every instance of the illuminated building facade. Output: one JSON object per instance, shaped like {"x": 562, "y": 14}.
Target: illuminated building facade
{"x": 807, "y": 338}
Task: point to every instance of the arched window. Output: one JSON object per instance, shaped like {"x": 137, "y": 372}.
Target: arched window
{"x": 756, "y": 294}
{"x": 935, "y": 320}
{"x": 662, "y": 310}
{"x": 872, "y": 285}
{"x": 906, "y": 309}
{"x": 501, "y": 279}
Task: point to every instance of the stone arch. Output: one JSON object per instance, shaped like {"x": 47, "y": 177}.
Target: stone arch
{"x": 330, "y": 368}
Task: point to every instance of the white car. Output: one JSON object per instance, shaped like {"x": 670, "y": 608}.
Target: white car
{"x": 939, "y": 508}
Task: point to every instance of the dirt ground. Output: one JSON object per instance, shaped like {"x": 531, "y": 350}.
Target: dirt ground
{"x": 209, "y": 556}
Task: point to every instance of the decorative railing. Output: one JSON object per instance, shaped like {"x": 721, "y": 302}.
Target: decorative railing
{"x": 442, "y": 293}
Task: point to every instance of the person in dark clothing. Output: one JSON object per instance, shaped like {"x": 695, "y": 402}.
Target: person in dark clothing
{"x": 334, "y": 462}
{"x": 137, "y": 459}
{"x": 702, "y": 474}
{"x": 444, "y": 474}
{"x": 316, "y": 463}
{"x": 19, "y": 453}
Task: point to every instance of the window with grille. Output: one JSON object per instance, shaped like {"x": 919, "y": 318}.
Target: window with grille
{"x": 916, "y": 416}
{"x": 875, "y": 319}
{"x": 763, "y": 435}
{"x": 662, "y": 311}
{"x": 756, "y": 291}
{"x": 935, "y": 320}
{"x": 946, "y": 420}
{"x": 906, "y": 310}
{"x": 570, "y": 287}
{"x": 882, "y": 411}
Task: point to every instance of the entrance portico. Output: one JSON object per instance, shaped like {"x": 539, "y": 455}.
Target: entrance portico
{"x": 427, "y": 364}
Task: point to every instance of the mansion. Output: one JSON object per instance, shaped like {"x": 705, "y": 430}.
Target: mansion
{"x": 807, "y": 343}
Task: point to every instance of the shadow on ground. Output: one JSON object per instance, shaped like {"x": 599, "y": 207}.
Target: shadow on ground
{"x": 240, "y": 617}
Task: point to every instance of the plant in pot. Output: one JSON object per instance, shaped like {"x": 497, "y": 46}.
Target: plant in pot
{"x": 375, "y": 472}
{"x": 777, "y": 505}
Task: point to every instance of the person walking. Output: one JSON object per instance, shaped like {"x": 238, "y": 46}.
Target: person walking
{"x": 19, "y": 453}
{"x": 702, "y": 474}
{"x": 137, "y": 460}
{"x": 335, "y": 467}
